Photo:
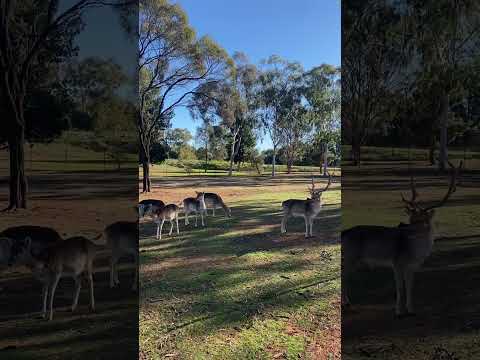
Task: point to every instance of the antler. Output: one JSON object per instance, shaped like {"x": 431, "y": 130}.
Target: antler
{"x": 329, "y": 182}
{"x": 452, "y": 187}
{"x": 312, "y": 189}
{"x": 411, "y": 203}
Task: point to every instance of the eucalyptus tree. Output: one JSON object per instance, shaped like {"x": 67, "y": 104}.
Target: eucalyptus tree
{"x": 173, "y": 66}
{"x": 230, "y": 103}
{"x": 322, "y": 93}
{"x": 445, "y": 42}
{"x": 370, "y": 64}
{"x": 278, "y": 81}
{"x": 33, "y": 36}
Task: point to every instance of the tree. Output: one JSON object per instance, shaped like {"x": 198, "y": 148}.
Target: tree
{"x": 33, "y": 36}
{"x": 294, "y": 128}
{"x": 229, "y": 102}
{"x": 92, "y": 80}
{"x": 444, "y": 35}
{"x": 277, "y": 80}
{"x": 173, "y": 64}
{"x": 322, "y": 93}
{"x": 370, "y": 61}
{"x": 177, "y": 139}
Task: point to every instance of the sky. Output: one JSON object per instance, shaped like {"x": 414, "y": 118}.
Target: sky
{"x": 307, "y": 31}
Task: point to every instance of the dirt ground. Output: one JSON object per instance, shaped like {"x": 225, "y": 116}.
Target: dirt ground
{"x": 76, "y": 203}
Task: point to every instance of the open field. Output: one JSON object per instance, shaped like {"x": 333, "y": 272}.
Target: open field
{"x": 76, "y": 198}
{"x": 173, "y": 167}
{"x": 446, "y": 289}
{"x": 238, "y": 289}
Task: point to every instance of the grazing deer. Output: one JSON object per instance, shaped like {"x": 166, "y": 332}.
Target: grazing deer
{"x": 122, "y": 239}
{"x": 72, "y": 257}
{"x": 149, "y": 206}
{"x": 403, "y": 248}
{"x": 214, "y": 201}
{"x": 196, "y": 205}
{"x": 169, "y": 212}
{"x": 308, "y": 209}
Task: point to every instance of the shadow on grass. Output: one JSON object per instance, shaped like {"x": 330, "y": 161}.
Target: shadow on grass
{"x": 111, "y": 331}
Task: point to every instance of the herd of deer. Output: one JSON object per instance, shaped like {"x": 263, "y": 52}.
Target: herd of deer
{"x": 49, "y": 257}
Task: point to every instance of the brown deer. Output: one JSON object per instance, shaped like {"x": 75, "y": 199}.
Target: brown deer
{"x": 403, "y": 248}
{"x": 308, "y": 209}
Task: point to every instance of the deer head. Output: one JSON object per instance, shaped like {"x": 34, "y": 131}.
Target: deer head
{"x": 316, "y": 194}
{"x": 420, "y": 214}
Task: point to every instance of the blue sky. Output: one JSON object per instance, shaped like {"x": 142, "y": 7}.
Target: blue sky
{"x": 307, "y": 31}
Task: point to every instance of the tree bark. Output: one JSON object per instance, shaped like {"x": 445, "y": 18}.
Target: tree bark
{"x": 356, "y": 152}
{"x": 146, "y": 175}
{"x": 18, "y": 178}
{"x": 274, "y": 158}
{"x": 325, "y": 162}
{"x": 443, "y": 151}
{"x": 232, "y": 156}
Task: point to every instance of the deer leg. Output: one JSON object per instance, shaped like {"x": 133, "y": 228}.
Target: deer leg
{"x": 186, "y": 218}
{"x": 90, "y": 280}
{"x": 213, "y": 210}
{"x": 400, "y": 289}
{"x": 78, "y": 285}
{"x": 284, "y": 223}
{"x": 171, "y": 227}
{"x": 409, "y": 277}
{"x": 196, "y": 218}
{"x": 45, "y": 295}
{"x": 311, "y": 227}
{"x": 53, "y": 287}
{"x": 113, "y": 270}
{"x": 201, "y": 216}
{"x": 307, "y": 221}
{"x": 160, "y": 229}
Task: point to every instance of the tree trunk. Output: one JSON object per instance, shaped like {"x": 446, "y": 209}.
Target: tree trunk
{"x": 356, "y": 152}
{"x": 325, "y": 162}
{"x": 146, "y": 175}
{"x": 274, "y": 158}
{"x": 289, "y": 164}
{"x": 232, "y": 156}
{"x": 18, "y": 179}
{"x": 443, "y": 152}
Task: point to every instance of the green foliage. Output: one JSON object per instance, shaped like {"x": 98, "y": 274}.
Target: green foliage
{"x": 187, "y": 152}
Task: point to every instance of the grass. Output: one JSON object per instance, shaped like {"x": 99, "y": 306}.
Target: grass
{"x": 51, "y": 158}
{"x": 238, "y": 289}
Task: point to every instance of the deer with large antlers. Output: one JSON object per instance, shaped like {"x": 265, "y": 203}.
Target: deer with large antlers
{"x": 403, "y": 248}
{"x": 308, "y": 209}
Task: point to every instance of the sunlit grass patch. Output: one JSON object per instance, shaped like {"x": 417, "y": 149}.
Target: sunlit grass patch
{"x": 239, "y": 289}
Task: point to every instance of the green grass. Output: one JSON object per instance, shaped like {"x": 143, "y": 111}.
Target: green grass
{"x": 58, "y": 157}
{"x": 374, "y": 153}
{"x": 237, "y": 289}
{"x": 173, "y": 167}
